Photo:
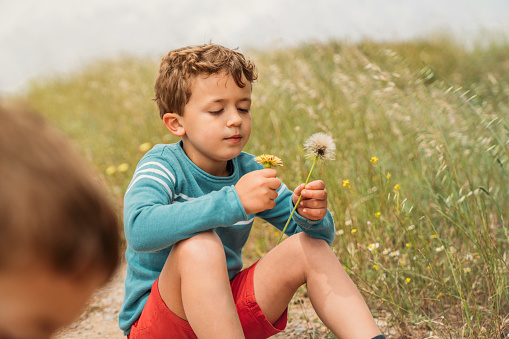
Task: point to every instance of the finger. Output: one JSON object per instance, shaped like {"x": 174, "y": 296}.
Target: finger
{"x": 274, "y": 183}
{"x": 314, "y": 194}
{"x": 298, "y": 190}
{"x": 268, "y": 172}
{"x": 273, "y": 195}
{"x": 313, "y": 204}
{"x": 313, "y": 213}
{"x": 316, "y": 185}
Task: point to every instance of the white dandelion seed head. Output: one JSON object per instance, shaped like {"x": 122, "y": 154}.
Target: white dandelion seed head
{"x": 320, "y": 145}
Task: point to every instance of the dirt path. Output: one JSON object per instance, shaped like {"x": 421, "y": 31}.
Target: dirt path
{"x": 100, "y": 318}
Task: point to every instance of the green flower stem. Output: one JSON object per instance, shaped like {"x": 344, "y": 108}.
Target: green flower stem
{"x": 298, "y": 201}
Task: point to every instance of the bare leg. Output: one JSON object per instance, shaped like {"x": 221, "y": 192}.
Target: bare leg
{"x": 194, "y": 285}
{"x": 301, "y": 259}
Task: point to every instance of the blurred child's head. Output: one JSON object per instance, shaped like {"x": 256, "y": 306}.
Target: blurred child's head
{"x": 59, "y": 237}
{"x": 179, "y": 67}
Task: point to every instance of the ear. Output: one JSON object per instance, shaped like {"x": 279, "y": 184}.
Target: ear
{"x": 173, "y": 123}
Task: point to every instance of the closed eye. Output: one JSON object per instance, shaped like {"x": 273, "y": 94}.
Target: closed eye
{"x": 243, "y": 110}
{"x": 216, "y": 112}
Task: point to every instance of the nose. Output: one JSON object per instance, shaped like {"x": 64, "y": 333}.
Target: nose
{"x": 234, "y": 118}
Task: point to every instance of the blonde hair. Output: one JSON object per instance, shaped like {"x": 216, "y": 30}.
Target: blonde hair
{"x": 52, "y": 209}
{"x": 179, "y": 67}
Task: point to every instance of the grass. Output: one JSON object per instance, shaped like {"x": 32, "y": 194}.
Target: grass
{"x": 422, "y": 229}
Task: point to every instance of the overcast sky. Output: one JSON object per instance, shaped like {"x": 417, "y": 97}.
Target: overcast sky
{"x": 43, "y": 37}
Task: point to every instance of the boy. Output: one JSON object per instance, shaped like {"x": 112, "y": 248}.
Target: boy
{"x": 189, "y": 210}
{"x": 59, "y": 238}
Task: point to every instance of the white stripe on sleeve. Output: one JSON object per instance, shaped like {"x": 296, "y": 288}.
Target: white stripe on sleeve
{"x": 153, "y": 178}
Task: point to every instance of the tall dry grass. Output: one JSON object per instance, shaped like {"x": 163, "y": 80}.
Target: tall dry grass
{"x": 419, "y": 191}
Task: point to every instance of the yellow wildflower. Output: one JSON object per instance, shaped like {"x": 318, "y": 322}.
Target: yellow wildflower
{"x": 375, "y": 267}
{"x": 111, "y": 170}
{"x": 388, "y": 176}
{"x": 269, "y": 160}
{"x": 145, "y": 146}
{"x": 407, "y": 244}
{"x": 397, "y": 187}
{"x": 428, "y": 267}
{"x": 407, "y": 280}
{"x": 374, "y": 160}
{"x": 123, "y": 167}
{"x": 346, "y": 183}
{"x": 377, "y": 214}
{"x": 354, "y": 230}
{"x": 434, "y": 236}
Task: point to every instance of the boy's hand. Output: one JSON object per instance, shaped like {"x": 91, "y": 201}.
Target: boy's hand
{"x": 257, "y": 190}
{"x": 313, "y": 204}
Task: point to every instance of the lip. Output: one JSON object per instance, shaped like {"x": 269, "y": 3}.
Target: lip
{"x": 234, "y": 138}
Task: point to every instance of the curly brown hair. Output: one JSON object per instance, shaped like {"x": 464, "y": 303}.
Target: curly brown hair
{"x": 180, "y": 66}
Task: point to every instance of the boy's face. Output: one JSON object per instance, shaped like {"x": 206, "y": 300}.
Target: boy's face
{"x": 36, "y": 302}
{"x": 216, "y": 121}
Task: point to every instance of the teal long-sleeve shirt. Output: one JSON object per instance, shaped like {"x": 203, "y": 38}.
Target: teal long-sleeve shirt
{"x": 170, "y": 199}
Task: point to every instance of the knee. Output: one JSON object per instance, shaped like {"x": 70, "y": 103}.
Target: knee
{"x": 307, "y": 247}
{"x": 201, "y": 248}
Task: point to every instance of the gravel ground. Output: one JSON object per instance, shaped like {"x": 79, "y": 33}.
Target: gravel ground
{"x": 99, "y": 320}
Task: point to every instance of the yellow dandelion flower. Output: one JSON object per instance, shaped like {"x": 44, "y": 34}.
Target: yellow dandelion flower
{"x": 346, "y": 183}
{"x": 407, "y": 280}
{"x": 269, "y": 160}
{"x": 397, "y": 187}
{"x": 374, "y": 160}
{"x": 145, "y": 146}
{"x": 123, "y": 167}
{"x": 354, "y": 230}
{"x": 111, "y": 170}
{"x": 388, "y": 176}
{"x": 375, "y": 267}
{"x": 377, "y": 214}
{"x": 407, "y": 244}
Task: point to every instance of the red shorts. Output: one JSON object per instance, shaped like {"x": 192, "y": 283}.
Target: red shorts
{"x": 157, "y": 321}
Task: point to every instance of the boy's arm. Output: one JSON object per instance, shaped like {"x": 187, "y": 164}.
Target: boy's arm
{"x": 320, "y": 229}
{"x": 153, "y": 221}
